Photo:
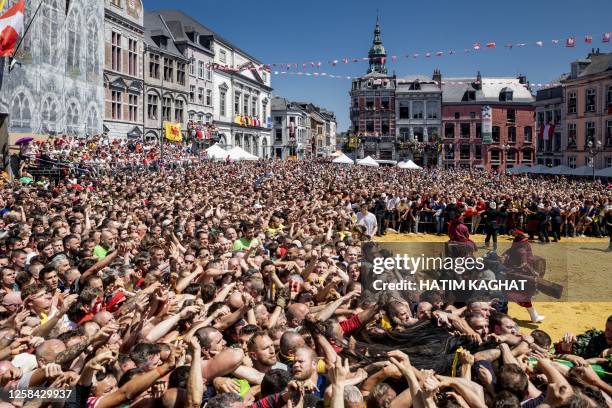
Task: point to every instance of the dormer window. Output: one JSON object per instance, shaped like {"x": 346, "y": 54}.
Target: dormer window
{"x": 505, "y": 95}
{"x": 415, "y": 86}
{"x": 469, "y": 95}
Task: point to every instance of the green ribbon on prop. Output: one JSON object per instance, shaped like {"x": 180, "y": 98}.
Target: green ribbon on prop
{"x": 599, "y": 370}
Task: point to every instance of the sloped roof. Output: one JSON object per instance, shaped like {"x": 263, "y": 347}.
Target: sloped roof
{"x": 598, "y": 63}
{"x": 185, "y": 20}
{"x": 155, "y": 27}
{"x": 279, "y": 103}
{"x": 453, "y": 89}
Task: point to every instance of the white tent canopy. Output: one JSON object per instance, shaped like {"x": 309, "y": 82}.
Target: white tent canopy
{"x": 521, "y": 168}
{"x": 582, "y": 171}
{"x": 560, "y": 170}
{"x": 410, "y": 165}
{"x": 539, "y": 169}
{"x": 343, "y": 159}
{"x": 604, "y": 172}
{"x": 368, "y": 161}
{"x": 216, "y": 152}
{"x": 238, "y": 153}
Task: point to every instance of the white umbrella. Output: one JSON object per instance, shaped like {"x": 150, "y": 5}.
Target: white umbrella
{"x": 216, "y": 152}
{"x": 517, "y": 169}
{"x": 604, "y": 172}
{"x": 560, "y": 170}
{"x": 343, "y": 159}
{"x": 582, "y": 171}
{"x": 539, "y": 169}
{"x": 238, "y": 153}
{"x": 368, "y": 161}
{"x": 409, "y": 165}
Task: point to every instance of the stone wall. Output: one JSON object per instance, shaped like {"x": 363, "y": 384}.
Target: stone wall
{"x": 58, "y": 85}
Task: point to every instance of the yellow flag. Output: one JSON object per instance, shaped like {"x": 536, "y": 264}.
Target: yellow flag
{"x": 173, "y": 131}
{"x": 2, "y": 4}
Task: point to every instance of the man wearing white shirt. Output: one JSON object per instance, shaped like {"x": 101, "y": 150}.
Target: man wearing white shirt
{"x": 390, "y": 218}
{"x": 368, "y": 220}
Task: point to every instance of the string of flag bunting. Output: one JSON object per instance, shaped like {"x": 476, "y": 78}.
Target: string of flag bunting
{"x": 569, "y": 42}
{"x": 445, "y": 83}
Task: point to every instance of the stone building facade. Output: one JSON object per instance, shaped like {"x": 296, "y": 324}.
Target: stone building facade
{"x": 549, "y": 111}
{"x": 418, "y": 114}
{"x": 195, "y": 45}
{"x": 56, "y": 87}
{"x": 123, "y": 68}
{"x": 166, "y": 74}
{"x": 290, "y": 129}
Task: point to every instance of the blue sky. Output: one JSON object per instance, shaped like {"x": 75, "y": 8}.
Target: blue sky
{"x": 286, "y": 31}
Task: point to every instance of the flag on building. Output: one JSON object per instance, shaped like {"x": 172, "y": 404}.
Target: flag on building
{"x": 547, "y": 131}
{"x": 605, "y": 38}
{"x": 173, "y": 131}
{"x": 570, "y": 42}
{"x": 588, "y": 39}
{"x": 11, "y": 28}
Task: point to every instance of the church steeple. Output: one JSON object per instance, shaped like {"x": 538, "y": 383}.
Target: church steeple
{"x": 377, "y": 53}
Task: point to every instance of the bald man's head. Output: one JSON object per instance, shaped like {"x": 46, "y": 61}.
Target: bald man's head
{"x": 289, "y": 342}
{"x": 296, "y": 313}
{"x": 48, "y": 350}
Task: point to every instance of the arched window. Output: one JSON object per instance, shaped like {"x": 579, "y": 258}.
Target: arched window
{"x": 93, "y": 122}
{"x": 48, "y": 114}
{"x": 73, "y": 51}
{"x": 49, "y": 26}
{"x": 72, "y": 118}
{"x": 21, "y": 113}
{"x": 93, "y": 57}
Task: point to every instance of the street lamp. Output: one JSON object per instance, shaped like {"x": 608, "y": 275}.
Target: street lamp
{"x": 593, "y": 151}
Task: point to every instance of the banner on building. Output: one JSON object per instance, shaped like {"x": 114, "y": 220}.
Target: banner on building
{"x": 487, "y": 125}
{"x": 173, "y": 131}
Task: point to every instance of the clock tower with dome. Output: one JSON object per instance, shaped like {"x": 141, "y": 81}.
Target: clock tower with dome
{"x": 372, "y": 111}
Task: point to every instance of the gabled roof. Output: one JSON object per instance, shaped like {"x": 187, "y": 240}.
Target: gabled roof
{"x": 177, "y": 15}
{"x": 155, "y": 27}
{"x": 453, "y": 90}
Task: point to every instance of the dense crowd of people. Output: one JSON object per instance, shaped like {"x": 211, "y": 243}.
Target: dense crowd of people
{"x": 137, "y": 281}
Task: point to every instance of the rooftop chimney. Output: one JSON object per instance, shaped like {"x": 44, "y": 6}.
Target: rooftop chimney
{"x": 522, "y": 79}
{"x": 478, "y": 84}
{"x": 437, "y": 76}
